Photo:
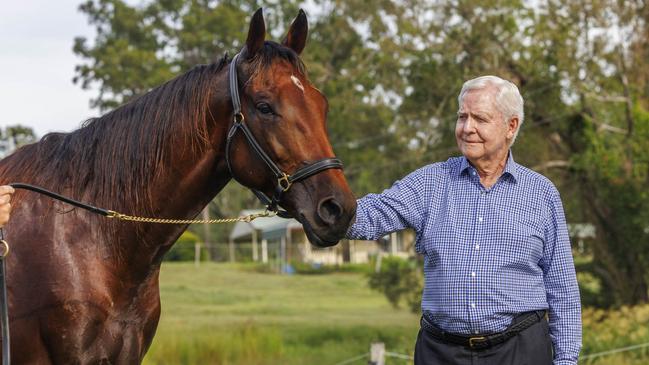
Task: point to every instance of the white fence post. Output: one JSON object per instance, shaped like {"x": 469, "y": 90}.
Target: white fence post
{"x": 197, "y": 254}
{"x": 377, "y": 353}
{"x": 264, "y": 250}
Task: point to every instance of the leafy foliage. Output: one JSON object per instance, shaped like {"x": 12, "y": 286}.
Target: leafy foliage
{"x": 184, "y": 249}
{"x": 399, "y": 280}
{"x": 15, "y": 136}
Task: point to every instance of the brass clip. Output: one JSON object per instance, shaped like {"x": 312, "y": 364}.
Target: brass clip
{"x": 284, "y": 182}
{"x": 4, "y": 248}
{"x": 112, "y": 214}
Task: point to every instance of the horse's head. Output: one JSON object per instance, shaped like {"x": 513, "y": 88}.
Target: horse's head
{"x": 286, "y": 116}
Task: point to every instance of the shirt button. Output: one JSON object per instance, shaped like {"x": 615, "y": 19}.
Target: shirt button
{"x": 473, "y": 173}
{"x": 476, "y": 332}
{"x": 482, "y": 193}
{"x": 477, "y": 247}
{"x": 472, "y": 305}
{"x": 479, "y": 219}
{"x": 473, "y": 274}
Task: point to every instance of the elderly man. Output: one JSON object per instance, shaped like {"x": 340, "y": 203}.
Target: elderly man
{"x": 497, "y": 256}
{"x": 5, "y": 205}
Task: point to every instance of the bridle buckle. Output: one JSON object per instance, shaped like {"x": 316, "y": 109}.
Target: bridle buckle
{"x": 284, "y": 182}
{"x": 238, "y": 118}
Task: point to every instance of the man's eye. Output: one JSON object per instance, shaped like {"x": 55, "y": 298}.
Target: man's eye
{"x": 264, "y": 108}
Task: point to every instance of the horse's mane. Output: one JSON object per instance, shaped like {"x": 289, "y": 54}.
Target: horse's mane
{"x": 112, "y": 160}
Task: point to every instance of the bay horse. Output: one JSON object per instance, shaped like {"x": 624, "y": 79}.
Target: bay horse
{"x": 83, "y": 289}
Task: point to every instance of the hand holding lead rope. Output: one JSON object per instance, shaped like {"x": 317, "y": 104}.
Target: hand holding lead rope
{"x": 5, "y": 203}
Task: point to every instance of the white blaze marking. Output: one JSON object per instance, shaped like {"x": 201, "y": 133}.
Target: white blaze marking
{"x": 297, "y": 82}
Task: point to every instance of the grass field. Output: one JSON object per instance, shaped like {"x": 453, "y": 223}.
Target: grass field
{"x": 231, "y": 314}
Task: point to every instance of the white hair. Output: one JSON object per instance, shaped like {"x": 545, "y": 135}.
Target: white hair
{"x": 508, "y": 99}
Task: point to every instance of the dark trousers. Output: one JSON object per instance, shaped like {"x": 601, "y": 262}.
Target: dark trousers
{"x": 531, "y": 346}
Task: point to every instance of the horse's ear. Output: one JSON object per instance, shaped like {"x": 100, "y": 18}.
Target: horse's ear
{"x": 256, "y": 33}
{"x": 296, "y": 37}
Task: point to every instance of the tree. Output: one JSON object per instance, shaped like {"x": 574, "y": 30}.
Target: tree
{"x": 611, "y": 160}
{"x": 15, "y": 136}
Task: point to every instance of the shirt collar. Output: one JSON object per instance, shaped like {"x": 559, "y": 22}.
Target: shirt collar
{"x": 511, "y": 167}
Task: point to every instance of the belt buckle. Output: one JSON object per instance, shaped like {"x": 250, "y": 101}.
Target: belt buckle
{"x": 472, "y": 339}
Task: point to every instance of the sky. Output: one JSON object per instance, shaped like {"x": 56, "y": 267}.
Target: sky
{"x": 37, "y": 65}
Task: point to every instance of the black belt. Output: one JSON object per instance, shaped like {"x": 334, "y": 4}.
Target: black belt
{"x": 482, "y": 342}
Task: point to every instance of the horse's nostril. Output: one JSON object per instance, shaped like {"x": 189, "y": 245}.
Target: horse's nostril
{"x": 329, "y": 210}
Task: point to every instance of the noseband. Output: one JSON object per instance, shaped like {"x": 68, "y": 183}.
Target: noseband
{"x": 284, "y": 181}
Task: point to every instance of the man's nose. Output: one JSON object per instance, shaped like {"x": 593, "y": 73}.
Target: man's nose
{"x": 469, "y": 125}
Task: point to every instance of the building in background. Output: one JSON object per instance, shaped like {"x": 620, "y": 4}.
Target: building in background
{"x": 284, "y": 240}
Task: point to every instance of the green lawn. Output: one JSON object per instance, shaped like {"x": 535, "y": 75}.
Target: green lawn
{"x": 230, "y": 314}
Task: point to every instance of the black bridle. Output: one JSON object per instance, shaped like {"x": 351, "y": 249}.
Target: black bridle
{"x": 284, "y": 180}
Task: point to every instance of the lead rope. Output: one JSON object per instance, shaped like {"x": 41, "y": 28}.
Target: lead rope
{"x": 125, "y": 217}
{"x": 4, "y": 306}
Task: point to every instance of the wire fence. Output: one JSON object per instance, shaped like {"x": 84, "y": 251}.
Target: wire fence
{"x": 399, "y": 356}
{"x": 585, "y": 357}
{"x": 367, "y": 354}
{"x": 353, "y": 359}
{"x": 615, "y": 351}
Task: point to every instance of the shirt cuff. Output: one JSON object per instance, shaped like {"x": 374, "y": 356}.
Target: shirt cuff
{"x": 358, "y": 227}
{"x": 564, "y": 362}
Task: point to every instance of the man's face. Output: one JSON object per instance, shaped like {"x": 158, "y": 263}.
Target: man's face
{"x": 480, "y": 131}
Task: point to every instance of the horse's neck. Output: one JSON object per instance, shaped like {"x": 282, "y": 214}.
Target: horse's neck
{"x": 193, "y": 180}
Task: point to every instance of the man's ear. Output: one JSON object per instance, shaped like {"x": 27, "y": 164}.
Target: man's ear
{"x": 512, "y": 126}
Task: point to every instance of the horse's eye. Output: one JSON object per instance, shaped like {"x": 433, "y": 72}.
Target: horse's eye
{"x": 264, "y": 108}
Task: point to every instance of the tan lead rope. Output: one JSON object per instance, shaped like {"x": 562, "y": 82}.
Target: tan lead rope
{"x": 248, "y": 218}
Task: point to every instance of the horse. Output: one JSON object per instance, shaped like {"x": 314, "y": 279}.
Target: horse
{"x": 83, "y": 288}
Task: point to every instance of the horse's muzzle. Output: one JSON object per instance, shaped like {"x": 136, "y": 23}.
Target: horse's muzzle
{"x": 330, "y": 222}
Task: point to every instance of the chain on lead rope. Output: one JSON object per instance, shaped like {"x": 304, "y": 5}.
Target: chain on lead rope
{"x": 248, "y": 218}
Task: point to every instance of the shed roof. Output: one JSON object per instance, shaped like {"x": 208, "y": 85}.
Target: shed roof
{"x": 268, "y": 227}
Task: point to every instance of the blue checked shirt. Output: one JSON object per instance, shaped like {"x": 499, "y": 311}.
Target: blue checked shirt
{"x": 489, "y": 253}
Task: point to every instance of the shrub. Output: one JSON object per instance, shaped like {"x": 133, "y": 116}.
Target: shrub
{"x": 399, "y": 280}
{"x": 307, "y": 268}
{"x": 184, "y": 248}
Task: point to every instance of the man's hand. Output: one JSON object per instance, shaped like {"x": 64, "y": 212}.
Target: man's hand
{"x": 5, "y": 203}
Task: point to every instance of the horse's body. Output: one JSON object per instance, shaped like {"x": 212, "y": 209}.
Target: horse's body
{"x": 83, "y": 289}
